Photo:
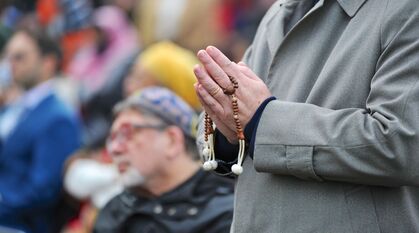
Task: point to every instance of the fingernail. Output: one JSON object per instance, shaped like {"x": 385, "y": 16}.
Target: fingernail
{"x": 202, "y": 54}
{"x": 211, "y": 49}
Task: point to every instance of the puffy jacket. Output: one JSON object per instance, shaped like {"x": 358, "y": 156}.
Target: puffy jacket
{"x": 202, "y": 204}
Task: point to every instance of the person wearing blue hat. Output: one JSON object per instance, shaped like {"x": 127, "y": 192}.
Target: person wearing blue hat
{"x": 152, "y": 143}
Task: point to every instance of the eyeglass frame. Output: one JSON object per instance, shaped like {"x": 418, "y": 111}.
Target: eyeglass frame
{"x": 123, "y": 139}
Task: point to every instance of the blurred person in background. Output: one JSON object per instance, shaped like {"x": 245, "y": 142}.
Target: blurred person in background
{"x": 164, "y": 64}
{"x": 115, "y": 40}
{"x": 53, "y": 16}
{"x": 191, "y": 24}
{"x": 92, "y": 179}
{"x": 37, "y": 133}
{"x": 69, "y": 22}
{"x": 152, "y": 144}
{"x": 95, "y": 64}
{"x": 227, "y": 24}
{"x": 161, "y": 64}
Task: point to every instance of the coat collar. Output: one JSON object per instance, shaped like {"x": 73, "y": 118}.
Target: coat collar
{"x": 351, "y": 7}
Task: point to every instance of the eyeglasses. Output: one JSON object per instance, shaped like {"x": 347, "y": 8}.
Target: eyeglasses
{"x": 126, "y": 132}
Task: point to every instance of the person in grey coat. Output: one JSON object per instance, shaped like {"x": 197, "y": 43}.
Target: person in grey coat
{"x": 328, "y": 98}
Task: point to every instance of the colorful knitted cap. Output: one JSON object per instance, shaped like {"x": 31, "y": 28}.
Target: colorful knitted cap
{"x": 166, "y": 105}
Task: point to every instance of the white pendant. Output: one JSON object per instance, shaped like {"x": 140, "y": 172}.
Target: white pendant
{"x": 214, "y": 164}
{"x": 207, "y": 166}
{"x": 237, "y": 169}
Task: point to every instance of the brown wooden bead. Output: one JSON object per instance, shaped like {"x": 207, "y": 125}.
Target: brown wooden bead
{"x": 229, "y": 90}
{"x": 208, "y": 127}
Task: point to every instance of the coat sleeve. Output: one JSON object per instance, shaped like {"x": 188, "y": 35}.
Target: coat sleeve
{"x": 375, "y": 145}
{"x": 43, "y": 185}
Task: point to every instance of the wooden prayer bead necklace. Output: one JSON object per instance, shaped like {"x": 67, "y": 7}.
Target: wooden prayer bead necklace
{"x": 208, "y": 151}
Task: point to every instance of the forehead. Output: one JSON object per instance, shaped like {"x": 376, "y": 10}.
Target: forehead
{"x": 127, "y": 116}
{"x": 21, "y": 42}
{"x": 132, "y": 116}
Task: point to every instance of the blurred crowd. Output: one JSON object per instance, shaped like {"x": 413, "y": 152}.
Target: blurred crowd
{"x": 65, "y": 64}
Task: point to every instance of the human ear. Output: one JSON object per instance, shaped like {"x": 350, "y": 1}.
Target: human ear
{"x": 176, "y": 141}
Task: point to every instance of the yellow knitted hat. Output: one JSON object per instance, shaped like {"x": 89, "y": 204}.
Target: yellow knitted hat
{"x": 173, "y": 67}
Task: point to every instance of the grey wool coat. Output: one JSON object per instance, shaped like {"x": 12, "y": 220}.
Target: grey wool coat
{"x": 338, "y": 151}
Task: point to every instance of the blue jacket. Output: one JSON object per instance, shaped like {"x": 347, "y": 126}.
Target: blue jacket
{"x": 31, "y": 163}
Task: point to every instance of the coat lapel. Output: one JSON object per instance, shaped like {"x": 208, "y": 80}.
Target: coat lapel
{"x": 351, "y": 7}
{"x": 275, "y": 37}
